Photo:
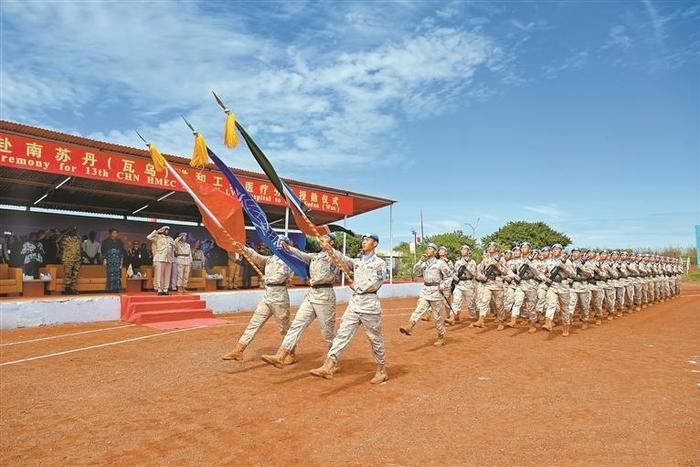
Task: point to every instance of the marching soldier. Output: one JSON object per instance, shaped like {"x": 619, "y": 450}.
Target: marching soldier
{"x": 319, "y": 303}
{"x": 580, "y": 286}
{"x": 443, "y": 255}
{"x": 621, "y": 285}
{"x": 364, "y": 308}
{"x": 558, "y": 270}
{"x": 509, "y": 281}
{"x": 437, "y": 277}
{"x": 596, "y": 285}
{"x": 610, "y": 285}
{"x": 490, "y": 272}
{"x": 465, "y": 289}
{"x": 541, "y": 266}
{"x": 528, "y": 280}
{"x": 633, "y": 266}
{"x": 275, "y": 301}
{"x": 70, "y": 249}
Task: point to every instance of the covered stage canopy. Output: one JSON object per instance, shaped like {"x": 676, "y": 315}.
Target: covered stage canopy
{"x": 49, "y": 169}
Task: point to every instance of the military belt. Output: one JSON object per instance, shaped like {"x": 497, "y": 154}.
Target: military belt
{"x": 321, "y": 286}
{"x": 282, "y": 284}
{"x": 430, "y": 284}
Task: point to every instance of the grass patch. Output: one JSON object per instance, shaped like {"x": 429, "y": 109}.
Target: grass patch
{"x": 692, "y": 276}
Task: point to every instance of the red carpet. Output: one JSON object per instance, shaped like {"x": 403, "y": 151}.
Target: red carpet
{"x": 167, "y": 311}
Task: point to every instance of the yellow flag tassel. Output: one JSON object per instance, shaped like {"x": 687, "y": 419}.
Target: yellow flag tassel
{"x": 157, "y": 157}
{"x": 230, "y": 136}
{"x": 200, "y": 158}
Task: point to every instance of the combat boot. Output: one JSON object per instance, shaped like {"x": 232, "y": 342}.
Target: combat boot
{"x": 478, "y": 323}
{"x": 513, "y": 322}
{"x": 380, "y": 376}
{"x": 584, "y": 325}
{"x": 236, "y": 353}
{"x": 407, "y": 329}
{"x": 548, "y": 325}
{"x": 532, "y": 329}
{"x": 327, "y": 370}
{"x": 500, "y": 327}
{"x": 449, "y": 321}
{"x": 278, "y": 359}
{"x": 598, "y": 322}
{"x": 426, "y": 316}
{"x": 290, "y": 358}
{"x": 565, "y": 332}
{"x": 440, "y": 341}
{"x": 638, "y": 308}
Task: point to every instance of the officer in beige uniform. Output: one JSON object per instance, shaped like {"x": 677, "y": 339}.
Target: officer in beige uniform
{"x": 183, "y": 259}
{"x": 363, "y": 309}
{"x": 437, "y": 277}
{"x": 319, "y": 303}
{"x": 275, "y": 301}
{"x": 465, "y": 289}
{"x": 490, "y": 272}
{"x": 162, "y": 247}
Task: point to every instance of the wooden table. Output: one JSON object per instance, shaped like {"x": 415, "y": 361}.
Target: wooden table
{"x": 213, "y": 284}
{"x": 34, "y": 287}
{"x": 134, "y": 284}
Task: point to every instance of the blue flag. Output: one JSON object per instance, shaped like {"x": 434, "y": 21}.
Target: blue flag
{"x": 259, "y": 219}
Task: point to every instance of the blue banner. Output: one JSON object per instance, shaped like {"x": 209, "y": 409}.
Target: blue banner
{"x": 257, "y": 216}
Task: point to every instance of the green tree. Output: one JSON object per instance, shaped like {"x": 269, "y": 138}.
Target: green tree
{"x": 353, "y": 244}
{"x": 538, "y": 234}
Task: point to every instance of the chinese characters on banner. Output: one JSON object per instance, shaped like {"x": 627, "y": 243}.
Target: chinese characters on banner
{"x": 30, "y": 153}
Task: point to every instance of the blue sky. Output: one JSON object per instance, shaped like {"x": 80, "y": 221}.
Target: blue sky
{"x": 583, "y": 115}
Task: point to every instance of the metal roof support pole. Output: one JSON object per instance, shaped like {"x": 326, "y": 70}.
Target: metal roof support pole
{"x": 391, "y": 243}
{"x": 286, "y": 221}
{"x": 345, "y": 242}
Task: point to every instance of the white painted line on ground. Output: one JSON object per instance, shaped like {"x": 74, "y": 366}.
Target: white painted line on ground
{"x": 123, "y": 341}
{"x": 65, "y": 335}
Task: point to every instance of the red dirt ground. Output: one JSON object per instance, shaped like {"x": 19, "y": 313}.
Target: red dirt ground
{"x": 625, "y": 393}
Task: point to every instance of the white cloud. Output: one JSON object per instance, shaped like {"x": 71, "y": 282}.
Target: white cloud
{"x": 548, "y": 211}
{"x": 576, "y": 60}
{"x": 311, "y": 108}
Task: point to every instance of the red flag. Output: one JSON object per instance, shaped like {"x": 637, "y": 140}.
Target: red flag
{"x": 228, "y": 225}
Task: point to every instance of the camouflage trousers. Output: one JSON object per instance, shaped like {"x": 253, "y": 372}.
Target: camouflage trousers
{"x": 371, "y": 323}
{"x": 423, "y": 307}
{"x": 509, "y": 298}
{"x": 580, "y": 293}
{"x": 465, "y": 292}
{"x": 638, "y": 295}
{"x": 629, "y": 292}
{"x": 491, "y": 294}
{"x": 262, "y": 313}
{"x": 324, "y": 312}
{"x": 525, "y": 300}
{"x": 71, "y": 270}
{"x": 557, "y": 299}
{"x": 609, "y": 295}
{"x": 597, "y": 298}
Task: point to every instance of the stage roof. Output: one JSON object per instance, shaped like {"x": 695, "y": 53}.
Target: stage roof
{"x": 82, "y": 174}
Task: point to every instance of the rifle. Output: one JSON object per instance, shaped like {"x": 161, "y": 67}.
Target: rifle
{"x": 460, "y": 275}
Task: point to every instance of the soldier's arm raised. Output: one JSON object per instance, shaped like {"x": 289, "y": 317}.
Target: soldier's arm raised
{"x": 303, "y": 255}
{"x": 259, "y": 260}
